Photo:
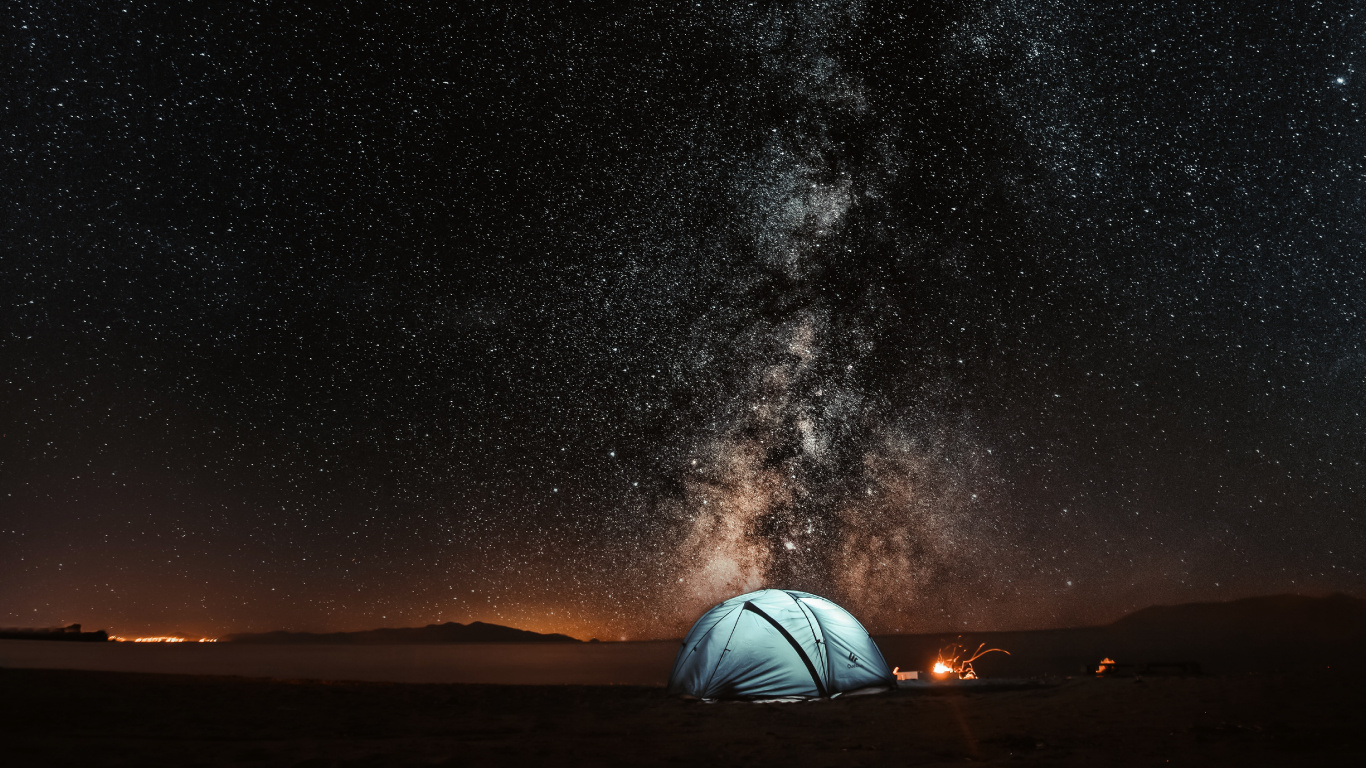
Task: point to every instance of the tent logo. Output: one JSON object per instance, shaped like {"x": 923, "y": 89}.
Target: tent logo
{"x": 852, "y": 657}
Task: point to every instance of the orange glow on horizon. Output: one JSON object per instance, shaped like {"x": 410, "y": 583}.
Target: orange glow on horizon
{"x": 162, "y": 639}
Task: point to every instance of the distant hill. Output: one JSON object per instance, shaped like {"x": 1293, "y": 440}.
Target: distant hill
{"x": 1272, "y": 633}
{"x": 1331, "y": 618}
{"x": 450, "y": 632}
{"x": 69, "y": 634}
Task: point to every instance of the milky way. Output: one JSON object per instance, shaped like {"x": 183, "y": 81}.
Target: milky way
{"x": 582, "y": 316}
{"x": 809, "y": 479}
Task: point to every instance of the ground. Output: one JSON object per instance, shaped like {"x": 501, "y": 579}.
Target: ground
{"x": 59, "y": 717}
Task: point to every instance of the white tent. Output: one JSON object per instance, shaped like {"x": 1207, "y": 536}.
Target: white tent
{"x": 777, "y": 643}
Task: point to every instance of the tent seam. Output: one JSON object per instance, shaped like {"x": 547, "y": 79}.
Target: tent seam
{"x": 714, "y": 626}
{"x": 825, "y": 657}
{"x": 685, "y": 653}
{"x": 811, "y": 668}
{"x": 706, "y": 688}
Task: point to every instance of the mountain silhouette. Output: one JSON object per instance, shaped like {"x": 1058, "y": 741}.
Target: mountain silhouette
{"x": 1271, "y": 617}
{"x": 450, "y": 632}
{"x": 1271, "y": 633}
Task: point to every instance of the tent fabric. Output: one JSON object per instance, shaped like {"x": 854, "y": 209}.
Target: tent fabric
{"x": 777, "y": 643}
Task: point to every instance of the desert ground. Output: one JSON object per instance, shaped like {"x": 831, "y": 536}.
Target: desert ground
{"x": 1281, "y": 684}
{"x": 64, "y": 717}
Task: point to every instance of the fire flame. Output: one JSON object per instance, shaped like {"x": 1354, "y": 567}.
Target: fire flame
{"x": 954, "y": 664}
{"x": 1106, "y": 664}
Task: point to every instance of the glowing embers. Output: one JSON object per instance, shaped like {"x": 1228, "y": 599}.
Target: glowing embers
{"x": 162, "y": 639}
{"x": 952, "y": 666}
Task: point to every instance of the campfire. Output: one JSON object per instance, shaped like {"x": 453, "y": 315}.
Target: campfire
{"x": 952, "y": 665}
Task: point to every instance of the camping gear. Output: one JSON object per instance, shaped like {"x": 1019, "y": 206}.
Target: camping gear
{"x": 778, "y": 643}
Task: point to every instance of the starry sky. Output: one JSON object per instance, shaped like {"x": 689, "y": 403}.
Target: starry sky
{"x": 583, "y": 316}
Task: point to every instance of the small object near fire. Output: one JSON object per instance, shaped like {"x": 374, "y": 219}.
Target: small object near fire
{"x": 910, "y": 675}
{"x": 1108, "y": 667}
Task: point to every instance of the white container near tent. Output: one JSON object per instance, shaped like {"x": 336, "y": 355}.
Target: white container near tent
{"x": 776, "y": 644}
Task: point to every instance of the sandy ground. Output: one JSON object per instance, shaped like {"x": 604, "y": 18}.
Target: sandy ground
{"x": 56, "y": 717}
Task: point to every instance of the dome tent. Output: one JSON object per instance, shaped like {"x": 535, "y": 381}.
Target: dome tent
{"x": 777, "y": 643}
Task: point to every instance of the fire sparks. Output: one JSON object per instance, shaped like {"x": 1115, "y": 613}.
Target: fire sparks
{"x": 952, "y": 663}
{"x": 162, "y": 639}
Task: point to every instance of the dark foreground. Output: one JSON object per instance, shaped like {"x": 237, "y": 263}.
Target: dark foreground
{"x": 57, "y": 717}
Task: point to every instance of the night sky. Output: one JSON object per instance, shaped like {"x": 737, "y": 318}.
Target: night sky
{"x": 583, "y": 316}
